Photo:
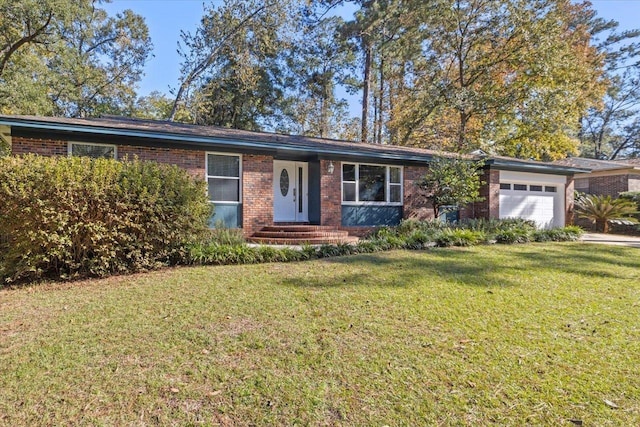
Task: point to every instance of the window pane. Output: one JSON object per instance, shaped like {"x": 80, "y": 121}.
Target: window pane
{"x": 94, "y": 151}
{"x": 535, "y": 188}
{"x": 505, "y": 186}
{"x": 348, "y": 172}
{"x": 394, "y": 175}
{"x": 550, "y": 189}
{"x": 219, "y": 165}
{"x": 395, "y": 195}
{"x": 224, "y": 190}
{"x": 520, "y": 187}
{"x": 349, "y": 192}
{"x": 372, "y": 183}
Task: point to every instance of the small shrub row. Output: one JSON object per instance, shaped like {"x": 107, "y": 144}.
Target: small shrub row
{"x": 460, "y": 237}
{"x": 413, "y": 237}
{"x": 216, "y": 254}
{"x": 413, "y": 234}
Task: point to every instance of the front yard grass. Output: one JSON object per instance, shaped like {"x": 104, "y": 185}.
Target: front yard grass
{"x": 540, "y": 334}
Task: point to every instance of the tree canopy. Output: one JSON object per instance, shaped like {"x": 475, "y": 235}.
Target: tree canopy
{"x": 69, "y": 58}
{"x": 534, "y": 79}
{"x": 611, "y": 128}
{"x": 511, "y": 77}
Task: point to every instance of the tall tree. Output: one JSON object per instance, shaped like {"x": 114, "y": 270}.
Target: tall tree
{"x": 232, "y": 61}
{"x": 368, "y": 32}
{"x": 318, "y": 63}
{"x": 612, "y": 128}
{"x": 68, "y": 57}
{"x": 508, "y": 76}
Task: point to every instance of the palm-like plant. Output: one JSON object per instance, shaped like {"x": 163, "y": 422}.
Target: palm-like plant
{"x": 602, "y": 210}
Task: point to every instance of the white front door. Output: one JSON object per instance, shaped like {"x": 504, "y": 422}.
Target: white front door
{"x": 290, "y": 191}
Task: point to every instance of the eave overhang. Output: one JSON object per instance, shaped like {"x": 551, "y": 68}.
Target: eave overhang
{"x": 213, "y": 143}
{"x": 522, "y": 166}
{"x": 280, "y": 146}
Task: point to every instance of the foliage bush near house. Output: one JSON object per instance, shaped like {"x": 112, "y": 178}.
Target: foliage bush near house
{"x": 224, "y": 235}
{"x": 603, "y": 210}
{"x": 631, "y": 195}
{"x": 634, "y": 196}
{"x": 459, "y": 237}
{"x": 493, "y": 226}
{"x": 72, "y": 217}
{"x": 566, "y": 234}
{"x": 451, "y": 182}
{"x": 515, "y": 235}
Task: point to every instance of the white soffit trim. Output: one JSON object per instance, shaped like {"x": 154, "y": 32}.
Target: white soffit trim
{"x": 528, "y": 177}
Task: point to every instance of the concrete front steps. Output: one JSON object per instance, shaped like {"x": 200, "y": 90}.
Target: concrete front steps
{"x": 301, "y": 235}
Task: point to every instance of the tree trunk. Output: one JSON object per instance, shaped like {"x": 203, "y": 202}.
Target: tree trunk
{"x": 380, "y": 101}
{"x": 602, "y": 226}
{"x": 365, "y": 92}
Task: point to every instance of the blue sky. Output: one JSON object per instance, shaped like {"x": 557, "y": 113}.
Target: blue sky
{"x": 166, "y": 18}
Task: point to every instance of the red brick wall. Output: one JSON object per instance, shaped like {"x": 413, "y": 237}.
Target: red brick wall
{"x": 44, "y": 147}
{"x": 415, "y": 206}
{"x": 330, "y": 194}
{"x": 257, "y": 192}
{"x": 581, "y": 184}
{"x": 568, "y": 204}
{"x": 490, "y": 191}
{"x": 608, "y": 185}
{"x": 190, "y": 160}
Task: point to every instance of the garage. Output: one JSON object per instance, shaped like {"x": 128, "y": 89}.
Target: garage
{"x": 536, "y": 197}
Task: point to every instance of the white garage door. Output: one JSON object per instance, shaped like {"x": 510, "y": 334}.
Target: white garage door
{"x": 541, "y": 201}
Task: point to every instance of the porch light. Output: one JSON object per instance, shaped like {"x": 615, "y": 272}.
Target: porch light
{"x": 330, "y": 167}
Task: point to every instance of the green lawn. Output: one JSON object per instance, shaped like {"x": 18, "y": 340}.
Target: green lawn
{"x": 536, "y": 334}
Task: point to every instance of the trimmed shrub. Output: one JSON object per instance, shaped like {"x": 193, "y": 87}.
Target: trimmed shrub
{"x": 367, "y": 247}
{"x": 634, "y": 196}
{"x": 514, "y": 235}
{"x": 224, "y": 235}
{"x": 419, "y": 239}
{"x": 408, "y": 226}
{"x": 566, "y": 234}
{"x": 494, "y": 226}
{"x": 459, "y": 237}
{"x": 73, "y": 217}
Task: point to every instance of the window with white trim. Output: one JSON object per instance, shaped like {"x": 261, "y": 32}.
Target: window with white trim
{"x": 95, "y": 151}
{"x": 371, "y": 184}
{"x": 223, "y": 177}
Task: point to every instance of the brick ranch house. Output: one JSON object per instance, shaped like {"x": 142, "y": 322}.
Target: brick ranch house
{"x": 604, "y": 177}
{"x": 258, "y": 179}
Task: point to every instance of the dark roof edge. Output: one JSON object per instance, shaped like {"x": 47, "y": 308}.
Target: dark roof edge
{"x": 207, "y": 140}
{"x": 519, "y": 166}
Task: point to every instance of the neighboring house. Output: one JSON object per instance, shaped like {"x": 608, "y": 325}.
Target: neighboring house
{"x": 257, "y": 179}
{"x": 606, "y": 177}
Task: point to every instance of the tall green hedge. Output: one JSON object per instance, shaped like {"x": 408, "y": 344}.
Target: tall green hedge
{"x": 72, "y": 217}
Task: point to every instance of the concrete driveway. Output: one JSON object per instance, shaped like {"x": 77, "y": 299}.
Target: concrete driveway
{"x": 611, "y": 239}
